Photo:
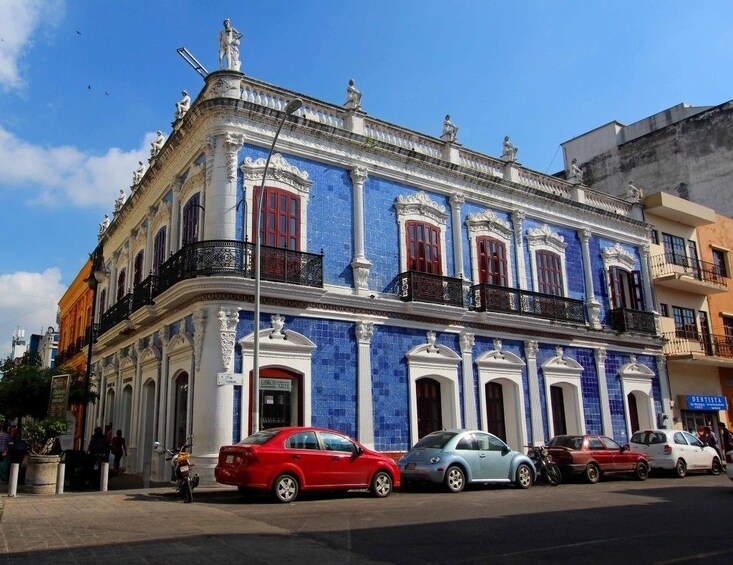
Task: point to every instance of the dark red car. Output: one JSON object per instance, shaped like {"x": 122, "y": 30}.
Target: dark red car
{"x": 288, "y": 460}
{"x": 593, "y": 456}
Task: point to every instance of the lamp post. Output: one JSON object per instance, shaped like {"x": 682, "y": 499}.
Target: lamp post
{"x": 96, "y": 276}
{"x": 293, "y": 106}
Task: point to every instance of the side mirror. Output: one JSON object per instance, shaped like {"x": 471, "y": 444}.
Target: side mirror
{"x": 626, "y": 448}
{"x": 359, "y": 450}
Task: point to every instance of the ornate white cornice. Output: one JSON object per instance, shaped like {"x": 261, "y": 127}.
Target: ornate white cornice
{"x": 617, "y": 255}
{"x": 194, "y": 181}
{"x": 228, "y": 320}
{"x": 545, "y": 236}
{"x": 487, "y": 222}
{"x": 279, "y": 170}
{"x": 420, "y": 204}
{"x": 199, "y": 327}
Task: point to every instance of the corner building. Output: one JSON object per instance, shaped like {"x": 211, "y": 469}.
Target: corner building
{"x": 408, "y": 284}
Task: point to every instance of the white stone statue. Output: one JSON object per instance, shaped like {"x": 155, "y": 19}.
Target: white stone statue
{"x": 576, "y": 173}
{"x": 353, "y": 97}
{"x": 450, "y": 130}
{"x": 509, "y": 150}
{"x": 120, "y": 201}
{"x": 633, "y": 193}
{"x": 137, "y": 175}
{"x": 183, "y": 105}
{"x": 104, "y": 224}
{"x": 229, "y": 47}
{"x": 157, "y": 144}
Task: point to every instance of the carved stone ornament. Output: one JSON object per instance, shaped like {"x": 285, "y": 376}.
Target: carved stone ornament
{"x": 517, "y": 219}
{"x": 431, "y": 343}
{"x": 530, "y": 348}
{"x": 457, "y": 200}
{"x": 364, "y": 332}
{"x": 420, "y": 204}
{"x": 467, "y": 342}
{"x": 361, "y": 271}
{"x": 359, "y": 175}
{"x": 199, "y": 327}
{"x": 227, "y": 332}
{"x": 164, "y": 333}
{"x": 545, "y": 236}
{"x": 487, "y": 222}
{"x": 232, "y": 143}
{"x": 194, "y": 181}
{"x": 278, "y": 323}
{"x": 279, "y": 170}
{"x": 559, "y": 352}
{"x": 601, "y": 355}
{"x": 223, "y": 88}
{"x": 618, "y": 255}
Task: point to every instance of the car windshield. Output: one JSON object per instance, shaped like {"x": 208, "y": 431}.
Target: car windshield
{"x": 573, "y": 442}
{"x": 258, "y": 438}
{"x": 436, "y": 440}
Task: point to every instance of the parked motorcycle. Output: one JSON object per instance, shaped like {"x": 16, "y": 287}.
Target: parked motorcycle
{"x": 185, "y": 480}
{"x": 544, "y": 465}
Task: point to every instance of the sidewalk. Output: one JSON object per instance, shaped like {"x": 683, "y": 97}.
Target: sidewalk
{"x": 124, "y": 481}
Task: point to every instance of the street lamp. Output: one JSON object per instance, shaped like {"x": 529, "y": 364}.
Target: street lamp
{"x": 293, "y": 106}
{"x": 96, "y": 276}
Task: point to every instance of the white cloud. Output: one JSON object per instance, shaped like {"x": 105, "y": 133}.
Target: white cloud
{"x": 66, "y": 174}
{"x": 29, "y": 301}
{"x": 20, "y": 21}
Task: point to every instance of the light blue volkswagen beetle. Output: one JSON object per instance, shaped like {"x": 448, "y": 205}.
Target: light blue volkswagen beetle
{"x": 460, "y": 457}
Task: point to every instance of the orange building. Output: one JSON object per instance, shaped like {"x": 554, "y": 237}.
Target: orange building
{"x": 75, "y": 308}
{"x": 716, "y": 240}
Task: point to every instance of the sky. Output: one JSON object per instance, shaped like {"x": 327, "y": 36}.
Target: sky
{"x": 84, "y": 85}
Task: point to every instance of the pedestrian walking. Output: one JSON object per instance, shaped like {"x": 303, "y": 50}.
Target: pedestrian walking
{"x": 119, "y": 449}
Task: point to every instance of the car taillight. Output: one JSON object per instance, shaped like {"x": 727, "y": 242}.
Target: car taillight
{"x": 667, "y": 449}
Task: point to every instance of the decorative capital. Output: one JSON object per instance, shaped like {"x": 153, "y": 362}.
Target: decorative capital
{"x": 199, "y": 326}
{"x": 585, "y": 234}
{"x": 468, "y": 340}
{"x": 601, "y": 355}
{"x": 358, "y": 175}
{"x": 457, "y": 200}
{"x": 530, "y": 348}
{"x": 364, "y": 332}
{"x": 228, "y": 320}
{"x": 165, "y": 335}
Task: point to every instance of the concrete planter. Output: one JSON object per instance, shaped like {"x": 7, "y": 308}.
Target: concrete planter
{"x": 40, "y": 476}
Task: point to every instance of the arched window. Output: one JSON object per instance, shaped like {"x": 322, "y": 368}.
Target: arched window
{"x": 279, "y": 219}
{"x": 138, "y": 273}
{"x": 423, "y": 248}
{"x": 159, "y": 249}
{"x": 121, "y": 285}
{"x": 190, "y": 224}
{"x": 492, "y": 263}
{"x": 429, "y": 409}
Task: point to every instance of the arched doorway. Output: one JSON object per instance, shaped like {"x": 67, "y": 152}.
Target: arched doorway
{"x": 495, "y": 420}
{"x": 180, "y": 423}
{"x": 633, "y": 412}
{"x": 557, "y": 401}
{"x": 281, "y": 398}
{"x": 429, "y": 408}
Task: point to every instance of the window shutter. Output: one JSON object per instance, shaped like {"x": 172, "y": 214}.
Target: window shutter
{"x": 637, "y": 291}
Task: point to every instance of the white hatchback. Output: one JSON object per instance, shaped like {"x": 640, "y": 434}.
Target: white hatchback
{"x": 676, "y": 450}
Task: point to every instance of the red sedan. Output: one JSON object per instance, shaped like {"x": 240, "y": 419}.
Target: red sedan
{"x": 592, "y": 456}
{"x": 288, "y": 460}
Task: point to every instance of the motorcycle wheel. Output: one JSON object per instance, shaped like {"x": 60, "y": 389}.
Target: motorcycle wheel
{"x": 553, "y": 474}
{"x": 187, "y": 491}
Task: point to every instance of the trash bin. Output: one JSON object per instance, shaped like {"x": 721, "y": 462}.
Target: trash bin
{"x": 76, "y": 475}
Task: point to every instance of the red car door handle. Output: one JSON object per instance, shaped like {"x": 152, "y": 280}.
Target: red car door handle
{"x": 336, "y": 458}
{"x": 296, "y": 457}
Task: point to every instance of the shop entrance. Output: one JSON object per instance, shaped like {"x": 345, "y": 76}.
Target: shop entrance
{"x": 280, "y": 398}
{"x": 693, "y": 419}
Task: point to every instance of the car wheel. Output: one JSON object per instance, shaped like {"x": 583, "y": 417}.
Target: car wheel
{"x": 381, "y": 484}
{"x": 592, "y": 473}
{"x": 524, "y": 476}
{"x": 715, "y": 467}
{"x": 680, "y": 468}
{"x": 642, "y": 471}
{"x": 285, "y": 488}
{"x": 455, "y": 479}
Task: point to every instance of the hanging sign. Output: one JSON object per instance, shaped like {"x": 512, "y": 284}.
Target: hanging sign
{"x": 705, "y": 402}
{"x": 59, "y": 398}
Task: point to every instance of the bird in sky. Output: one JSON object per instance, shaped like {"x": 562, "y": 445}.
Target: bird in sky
{"x": 89, "y": 87}
{"x": 78, "y": 32}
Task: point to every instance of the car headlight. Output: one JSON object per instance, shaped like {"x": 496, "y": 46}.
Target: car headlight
{"x": 435, "y": 459}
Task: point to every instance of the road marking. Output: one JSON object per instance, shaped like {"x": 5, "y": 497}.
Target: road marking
{"x": 699, "y": 556}
{"x": 582, "y": 543}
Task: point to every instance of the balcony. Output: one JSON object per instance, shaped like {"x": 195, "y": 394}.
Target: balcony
{"x": 492, "y": 298}
{"x": 426, "y": 287}
{"x": 115, "y": 314}
{"x": 628, "y": 320}
{"x": 689, "y": 275}
{"x": 714, "y": 350}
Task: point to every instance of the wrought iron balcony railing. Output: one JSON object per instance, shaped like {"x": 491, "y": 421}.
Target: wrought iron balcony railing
{"x": 426, "y": 287}
{"x": 492, "y": 298}
{"x": 674, "y": 263}
{"x": 628, "y": 320}
{"x": 116, "y": 313}
{"x": 689, "y": 343}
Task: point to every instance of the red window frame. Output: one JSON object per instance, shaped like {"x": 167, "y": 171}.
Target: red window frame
{"x": 279, "y": 218}
{"x": 159, "y": 249}
{"x": 549, "y": 273}
{"x": 121, "y": 279}
{"x": 492, "y": 264}
{"x": 423, "y": 248}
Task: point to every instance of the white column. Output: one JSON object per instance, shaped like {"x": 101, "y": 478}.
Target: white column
{"x": 530, "y": 353}
{"x": 133, "y": 438}
{"x": 456, "y": 200}
{"x": 517, "y": 222}
{"x": 470, "y": 418}
{"x": 591, "y": 304}
{"x": 664, "y": 391}
{"x": 365, "y": 409}
{"x": 159, "y": 467}
{"x": 212, "y": 417}
{"x": 359, "y": 263}
{"x": 221, "y": 186}
{"x": 606, "y": 425}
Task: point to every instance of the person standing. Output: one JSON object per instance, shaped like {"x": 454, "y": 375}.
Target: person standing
{"x": 727, "y": 438}
{"x": 4, "y": 455}
{"x": 118, "y": 450}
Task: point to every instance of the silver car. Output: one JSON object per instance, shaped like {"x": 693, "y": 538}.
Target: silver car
{"x": 460, "y": 457}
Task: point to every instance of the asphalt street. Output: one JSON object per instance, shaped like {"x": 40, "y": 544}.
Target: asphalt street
{"x": 661, "y": 520}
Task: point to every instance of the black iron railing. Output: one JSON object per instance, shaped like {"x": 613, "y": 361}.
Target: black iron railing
{"x": 425, "y": 287}
{"x": 116, "y": 313}
{"x": 492, "y": 298}
{"x": 628, "y": 320}
{"x": 687, "y": 343}
{"x": 674, "y": 263}
{"x": 142, "y": 294}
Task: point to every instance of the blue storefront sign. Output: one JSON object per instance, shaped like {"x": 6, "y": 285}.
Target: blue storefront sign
{"x": 705, "y": 402}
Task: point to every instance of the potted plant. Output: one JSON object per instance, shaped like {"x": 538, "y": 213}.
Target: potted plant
{"x": 45, "y": 452}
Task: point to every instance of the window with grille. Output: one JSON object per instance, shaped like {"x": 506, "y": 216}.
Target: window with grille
{"x": 279, "y": 219}
{"x": 549, "y": 273}
{"x": 492, "y": 261}
{"x": 423, "y": 248}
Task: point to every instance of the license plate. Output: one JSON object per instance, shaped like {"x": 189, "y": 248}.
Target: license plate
{"x": 410, "y": 466}
{"x": 183, "y": 468}
{"x": 230, "y": 459}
